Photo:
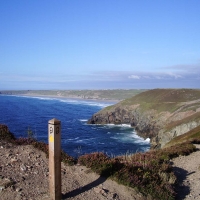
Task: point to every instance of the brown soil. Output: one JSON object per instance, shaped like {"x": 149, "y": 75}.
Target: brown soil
{"x": 187, "y": 170}
{"x": 24, "y": 176}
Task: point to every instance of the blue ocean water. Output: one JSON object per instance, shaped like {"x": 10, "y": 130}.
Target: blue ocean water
{"x": 20, "y": 113}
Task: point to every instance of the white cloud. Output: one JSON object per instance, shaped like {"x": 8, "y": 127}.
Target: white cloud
{"x": 174, "y": 75}
{"x": 134, "y": 77}
{"x": 179, "y": 76}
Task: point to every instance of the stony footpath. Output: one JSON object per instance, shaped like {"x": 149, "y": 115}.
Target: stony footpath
{"x": 187, "y": 170}
{"x": 24, "y": 176}
{"x": 23, "y": 172}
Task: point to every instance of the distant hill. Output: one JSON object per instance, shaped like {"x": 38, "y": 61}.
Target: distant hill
{"x": 118, "y": 94}
{"x": 159, "y": 114}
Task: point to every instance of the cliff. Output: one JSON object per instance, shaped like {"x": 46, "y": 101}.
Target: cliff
{"x": 159, "y": 114}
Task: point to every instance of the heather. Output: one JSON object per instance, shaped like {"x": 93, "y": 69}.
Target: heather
{"x": 149, "y": 173}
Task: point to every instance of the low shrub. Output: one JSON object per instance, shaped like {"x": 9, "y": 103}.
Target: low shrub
{"x": 5, "y": 134}
{"x": 150, "y": 173}
{"x": 195, "y": 141}
{"x": 42, "y": 147}
{"x": 100, "y": 163}
{"x": 65, "y": 158}
{"x": 180, "y": 149}
{"x": 24, "y": 141}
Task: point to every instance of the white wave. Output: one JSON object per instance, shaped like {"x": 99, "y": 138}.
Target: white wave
{"x": 37, "y": 97}
{"x": 130, "y": 138}
{"x": 101, "y": 143}
{"x": 89, "y": 102}
{"x": 79, "y": 141}
{"x": 110, "y": 125}
{"x": 148, "y": 140}
{"x": 72, "y": 139}
{"x": 126, "y": 125}
{"x": 116, "y": 138}
{"x": 83, "y": 120}
{"x": 118, "y": 125}
{"x": 84, "y": 140}
{"x": 71, "y": 101}
{"x": 138, "y": 139}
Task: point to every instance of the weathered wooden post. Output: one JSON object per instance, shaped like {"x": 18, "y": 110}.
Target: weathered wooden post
{"x": 54, "y": 135}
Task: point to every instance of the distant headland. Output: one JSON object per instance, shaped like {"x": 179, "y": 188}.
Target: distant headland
{"x": 109, "y": 94}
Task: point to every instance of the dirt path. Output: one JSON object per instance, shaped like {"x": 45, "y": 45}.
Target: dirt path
{"x": 24, "y": 176}
{"x": 187, "y": 169}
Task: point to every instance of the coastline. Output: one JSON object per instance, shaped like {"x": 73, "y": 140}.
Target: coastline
{"x": 69, "y": 97}
{"x": 115, "y": 95}
{"x": 94, "y": 102}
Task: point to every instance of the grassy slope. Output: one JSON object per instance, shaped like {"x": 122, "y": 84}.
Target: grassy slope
{"x": 162, "y": 100}
{"x": 191, "y": 136}
{"x": 171, "y": 100}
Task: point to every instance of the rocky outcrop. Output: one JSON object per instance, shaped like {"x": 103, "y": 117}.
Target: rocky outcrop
{"x": 143, "y": 122}
{"x": 167, "y": 136}
{"x": 155, "y": 114}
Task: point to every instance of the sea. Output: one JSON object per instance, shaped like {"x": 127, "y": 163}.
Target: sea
{"x": 23, "y": 113}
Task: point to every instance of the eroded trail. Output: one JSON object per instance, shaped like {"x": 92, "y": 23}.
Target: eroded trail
{"x": 187, "y": 169}
{"x": 24, "y": 175}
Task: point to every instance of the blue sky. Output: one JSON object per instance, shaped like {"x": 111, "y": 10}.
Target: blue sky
{"x": 105, "y": 44}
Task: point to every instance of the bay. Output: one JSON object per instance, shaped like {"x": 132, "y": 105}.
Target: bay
{"x": 21, "y": 113}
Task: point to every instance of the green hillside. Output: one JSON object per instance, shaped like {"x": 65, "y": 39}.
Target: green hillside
{"x": 165, "y": 99}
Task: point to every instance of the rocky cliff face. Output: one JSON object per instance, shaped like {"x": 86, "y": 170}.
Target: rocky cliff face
{"x": 159, "y": 115}
{"x": 143, "y": 122}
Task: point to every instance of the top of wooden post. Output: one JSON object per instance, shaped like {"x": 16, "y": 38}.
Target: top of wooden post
{"x": 54, "y": 121}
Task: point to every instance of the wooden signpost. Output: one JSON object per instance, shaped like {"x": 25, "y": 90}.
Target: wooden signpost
{"x": 54, "y": 136}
